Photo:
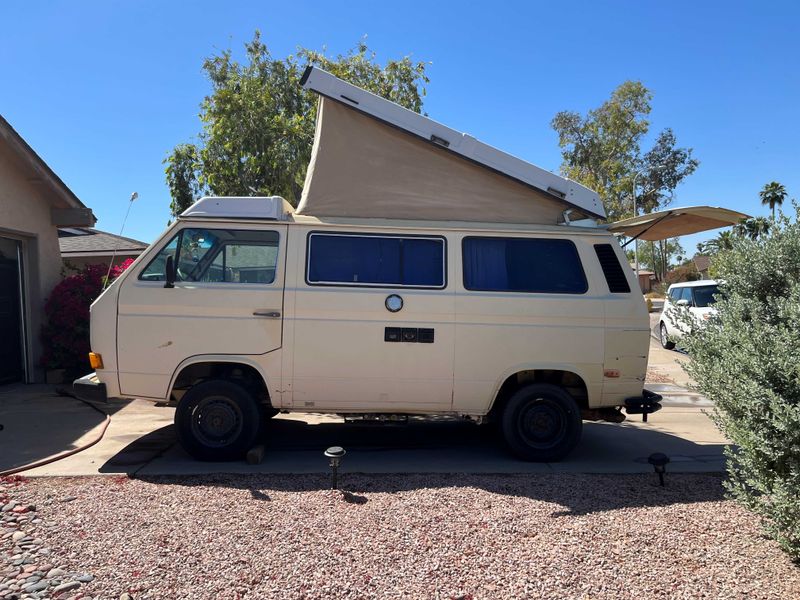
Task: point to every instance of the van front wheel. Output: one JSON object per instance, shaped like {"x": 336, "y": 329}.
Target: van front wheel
{"x": 217, "y": 420}
{"x": 541, "y": 423}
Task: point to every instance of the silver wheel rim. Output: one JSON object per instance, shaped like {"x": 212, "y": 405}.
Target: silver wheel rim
{"x": 217, "y": 421}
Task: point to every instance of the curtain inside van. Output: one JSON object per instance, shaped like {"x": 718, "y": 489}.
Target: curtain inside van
{"x": 362, "y": 167}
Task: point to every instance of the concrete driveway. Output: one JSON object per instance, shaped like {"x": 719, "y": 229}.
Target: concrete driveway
{"x": 140, "y": 438}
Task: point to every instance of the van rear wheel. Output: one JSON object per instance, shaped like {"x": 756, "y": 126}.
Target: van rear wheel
{"x": 541, "y": 423}
{"x": 217, "y": 420}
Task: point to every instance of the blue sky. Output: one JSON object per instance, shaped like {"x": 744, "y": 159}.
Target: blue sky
{"x": 103, "y": 90}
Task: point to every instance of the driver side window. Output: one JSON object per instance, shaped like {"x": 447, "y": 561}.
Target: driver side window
{"x": 218, "y": 256}
{"x": 188, "y": 250}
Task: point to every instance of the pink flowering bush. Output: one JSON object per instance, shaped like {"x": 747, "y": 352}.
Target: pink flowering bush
{"x": 65, "y": 335}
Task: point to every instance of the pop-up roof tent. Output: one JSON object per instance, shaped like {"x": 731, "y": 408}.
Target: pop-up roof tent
{"x": 375, "y": 159}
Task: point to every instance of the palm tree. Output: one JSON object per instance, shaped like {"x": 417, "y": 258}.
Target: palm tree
{"x": 723, "y": 241}
{"x": 753, "y": 228}
{"x": 773, "y": 195}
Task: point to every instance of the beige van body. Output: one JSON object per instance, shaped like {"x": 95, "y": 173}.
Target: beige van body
{"x": 323, "y": 347}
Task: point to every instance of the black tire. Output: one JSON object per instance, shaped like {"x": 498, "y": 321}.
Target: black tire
{"x": 541, "y": 423}
{"x": 664, "y": 337}
{"x": 217, "y": 420}
{"x": 267, "y": 412}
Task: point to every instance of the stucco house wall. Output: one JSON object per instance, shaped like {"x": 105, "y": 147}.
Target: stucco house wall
{"x": 33, "y": 202}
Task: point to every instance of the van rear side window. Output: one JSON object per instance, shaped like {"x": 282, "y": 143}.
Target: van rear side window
{"x": 612, "y": 270}
{"x": 375, "y": 260}
{"x": 533, "y": 265}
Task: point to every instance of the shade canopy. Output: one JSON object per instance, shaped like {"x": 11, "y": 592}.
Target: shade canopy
{"x": 675, "y": 222}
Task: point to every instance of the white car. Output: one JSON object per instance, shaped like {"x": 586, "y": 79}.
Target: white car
{"x": 697, "y": 297}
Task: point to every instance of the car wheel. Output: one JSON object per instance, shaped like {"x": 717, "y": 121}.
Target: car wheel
{"x": 662, "y": 334}
{"x": 217, "y": 420}
{"x": 541, "y": 423}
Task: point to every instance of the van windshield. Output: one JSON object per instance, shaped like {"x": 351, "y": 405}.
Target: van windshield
{"x": 704, "y": 295}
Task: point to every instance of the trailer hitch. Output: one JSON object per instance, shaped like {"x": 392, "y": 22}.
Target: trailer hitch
{"x": 649, "y": 402}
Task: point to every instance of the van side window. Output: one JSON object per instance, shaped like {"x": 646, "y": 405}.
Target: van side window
{"x": 612, "y": 270}
{"x": 375, "y": 260}
{"x": 218, "y": 256}
{"x": 674, "y": 294}
{"x": 686, "y": 294}
{"x": 534, "y": 265}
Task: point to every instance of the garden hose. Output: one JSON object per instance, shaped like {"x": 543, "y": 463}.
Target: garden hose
{"x": 66, "y": 453}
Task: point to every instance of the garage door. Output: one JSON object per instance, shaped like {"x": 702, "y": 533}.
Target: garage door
{"x": 11, "y": 351}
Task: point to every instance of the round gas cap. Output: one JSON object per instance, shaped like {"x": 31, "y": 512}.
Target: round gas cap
{"x": 394, "y": 303}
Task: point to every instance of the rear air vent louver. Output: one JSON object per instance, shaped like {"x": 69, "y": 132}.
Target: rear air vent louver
{"x": 615, "y": 276}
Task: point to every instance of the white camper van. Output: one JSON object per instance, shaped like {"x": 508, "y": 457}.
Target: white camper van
{"x": 423, "y": 273}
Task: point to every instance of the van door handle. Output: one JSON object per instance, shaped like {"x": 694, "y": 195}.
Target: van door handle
{"x": 269, "y": 313}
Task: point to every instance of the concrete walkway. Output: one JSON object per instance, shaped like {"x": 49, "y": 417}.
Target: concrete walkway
{"x": 38, "y": 423}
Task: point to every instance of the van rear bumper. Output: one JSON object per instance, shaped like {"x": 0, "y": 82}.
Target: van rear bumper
{"x": 89, "y": 387}
{"x": 648, "y": 403}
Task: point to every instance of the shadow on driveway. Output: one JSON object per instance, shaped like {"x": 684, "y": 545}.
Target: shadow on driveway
{"x": 294, "y": 446}
{"x": 38, "y": 422}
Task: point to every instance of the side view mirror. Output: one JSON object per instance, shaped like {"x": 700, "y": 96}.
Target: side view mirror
{"x": 681, "y": 302}
{"x": 169, "y": 274}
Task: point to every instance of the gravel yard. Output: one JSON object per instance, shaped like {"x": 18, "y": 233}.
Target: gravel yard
{"x": 411, "y": 536}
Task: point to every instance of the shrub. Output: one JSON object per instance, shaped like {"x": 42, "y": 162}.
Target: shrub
{"x": 65, "y": 335}
{"x": 747, "y": 360}
{"x": 681, "y": 274}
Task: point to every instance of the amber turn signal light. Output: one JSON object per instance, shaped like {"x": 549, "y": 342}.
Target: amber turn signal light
{"x": 95, "y": 360}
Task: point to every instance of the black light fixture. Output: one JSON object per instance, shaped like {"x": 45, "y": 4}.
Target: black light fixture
{"x": 659, "y": 462}
{"x": 335, "y": 454}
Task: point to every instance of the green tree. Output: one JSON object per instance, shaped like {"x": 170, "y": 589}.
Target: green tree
{"x": 746, "y": 360}
{"x": 773, "y": 194}
{"x": 258, "y": 123}
{"x": 723, "y": 241}
{"x": 660, "y": 256}
{"x": 602, "y": 150}
{"x": 753, "y": 228}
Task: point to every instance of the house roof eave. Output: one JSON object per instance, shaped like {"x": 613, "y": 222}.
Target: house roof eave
{"x": 43, "y": 172}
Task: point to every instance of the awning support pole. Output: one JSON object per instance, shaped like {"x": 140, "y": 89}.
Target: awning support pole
{"x": 641, "y": 233}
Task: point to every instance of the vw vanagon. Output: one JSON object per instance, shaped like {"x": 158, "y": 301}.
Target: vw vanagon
{"x": 423, "y": 273}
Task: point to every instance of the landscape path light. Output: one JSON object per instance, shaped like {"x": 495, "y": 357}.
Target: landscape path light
{"x": 335, "y": 454}
{"x": 659, "y": 462}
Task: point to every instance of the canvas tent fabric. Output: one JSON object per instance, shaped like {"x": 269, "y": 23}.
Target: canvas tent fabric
{"x": 675, "y": 222}
{"x": 363, "y": 167}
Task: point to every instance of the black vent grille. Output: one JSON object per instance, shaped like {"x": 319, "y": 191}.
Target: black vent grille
{"x": 615, "y": 276}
